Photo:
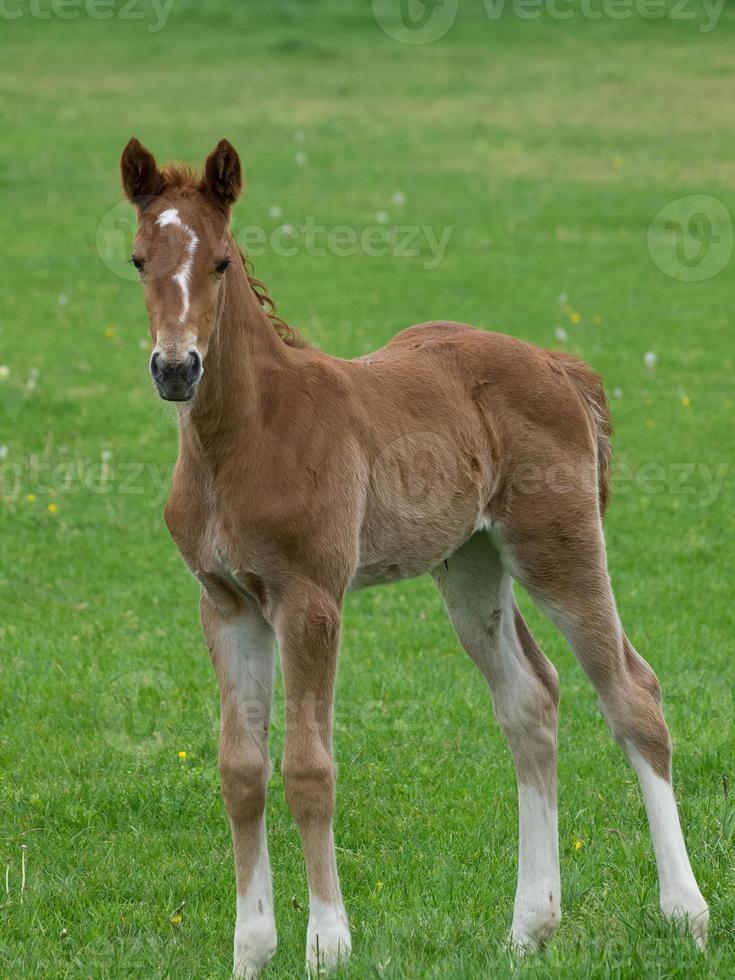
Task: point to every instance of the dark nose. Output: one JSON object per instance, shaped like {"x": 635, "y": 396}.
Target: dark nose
{"x": 176, "y": 380}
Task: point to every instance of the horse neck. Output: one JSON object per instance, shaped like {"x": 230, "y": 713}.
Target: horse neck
{"x": 244, "y": 350}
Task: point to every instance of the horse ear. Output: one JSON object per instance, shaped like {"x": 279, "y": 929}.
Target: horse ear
{"x": 222, "y": 181}
{"x": 140, "y": 174}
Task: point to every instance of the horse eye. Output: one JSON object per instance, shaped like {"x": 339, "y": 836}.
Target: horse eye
{"x": 138, "y": 263}
{"x": 221, "y": 267}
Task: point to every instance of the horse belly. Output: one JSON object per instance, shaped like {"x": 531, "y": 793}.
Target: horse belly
{"x": 412, "y": 537}
{"x": 386, "y": 571}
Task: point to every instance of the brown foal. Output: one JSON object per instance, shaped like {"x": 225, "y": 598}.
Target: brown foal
{"x": 466, "y": 454}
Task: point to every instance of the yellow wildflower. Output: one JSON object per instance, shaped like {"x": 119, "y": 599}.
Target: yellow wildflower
{"x": 53, "y": 508}
{"x": 31, "y": 498}
{"x": 575, "y": 317}
{"x": 686, "y": 401}
{"x": 109, "y": 331}
{"x": 176, "y": 920}
{"x": 182, "y": 754}
{"x": 578, "y": 845}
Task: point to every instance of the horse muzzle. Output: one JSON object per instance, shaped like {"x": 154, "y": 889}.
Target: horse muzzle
{"x": 176, "y": 380}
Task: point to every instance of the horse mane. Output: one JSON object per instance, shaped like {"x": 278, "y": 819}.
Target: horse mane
{"x": 180, "y": 177}
{"x": 288, "y": 334}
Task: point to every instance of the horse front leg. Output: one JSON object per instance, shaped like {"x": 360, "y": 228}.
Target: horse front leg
{"x": 241, "y": 644}
{"x": 308, "y": 627}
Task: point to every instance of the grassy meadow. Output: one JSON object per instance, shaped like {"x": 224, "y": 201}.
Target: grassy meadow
{"x": 546, "y": 147}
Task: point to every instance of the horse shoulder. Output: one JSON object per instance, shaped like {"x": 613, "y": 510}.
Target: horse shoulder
{"x": 186, "y": 511}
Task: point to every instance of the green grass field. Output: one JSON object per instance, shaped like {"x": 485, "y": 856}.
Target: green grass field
{"x": 546, "y": 147}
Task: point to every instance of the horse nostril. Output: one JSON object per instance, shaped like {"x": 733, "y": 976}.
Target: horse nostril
{"x": 193, "y": 367}
{"x": 176, "y": 379}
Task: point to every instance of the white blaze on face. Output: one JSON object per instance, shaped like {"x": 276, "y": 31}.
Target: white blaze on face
{"x": 183, "y": 273}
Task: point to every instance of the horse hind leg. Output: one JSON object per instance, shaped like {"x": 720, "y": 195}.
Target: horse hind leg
{"x": 563, "y": 566}
{"x": 478, "y": 595}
